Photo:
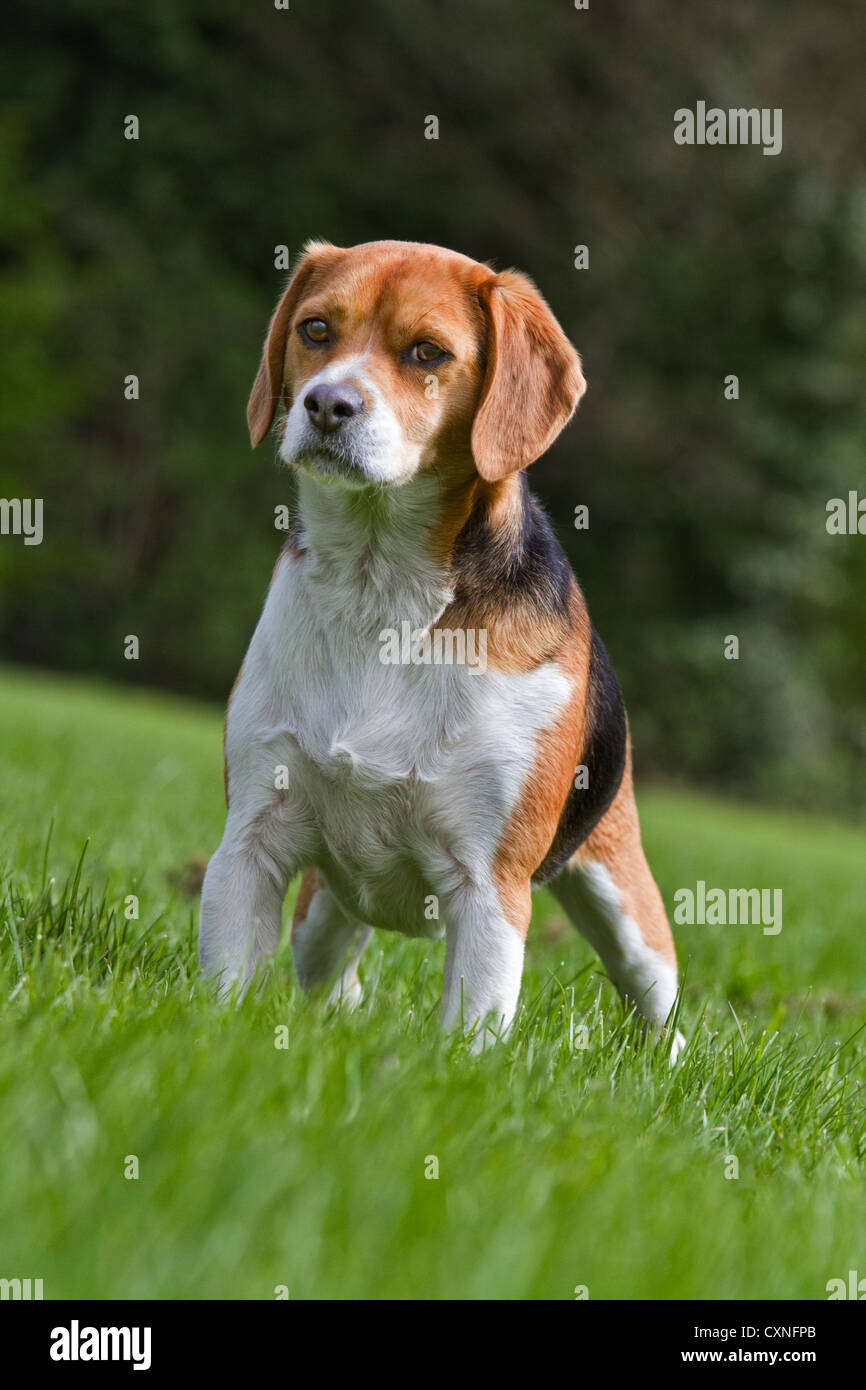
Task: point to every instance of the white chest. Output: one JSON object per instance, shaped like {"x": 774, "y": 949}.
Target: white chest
{"x": 407, "y": 773}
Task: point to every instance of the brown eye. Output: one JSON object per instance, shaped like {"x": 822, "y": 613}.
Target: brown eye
{"x": 314, "y": 331}
{"x": 427, "y": 352}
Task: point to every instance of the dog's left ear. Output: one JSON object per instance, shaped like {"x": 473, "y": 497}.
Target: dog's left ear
{"x": 267, "y": 389}
{"x": 533, "y": 380}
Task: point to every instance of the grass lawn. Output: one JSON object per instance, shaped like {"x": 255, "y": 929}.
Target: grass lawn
{"x": 559, "y": 1165}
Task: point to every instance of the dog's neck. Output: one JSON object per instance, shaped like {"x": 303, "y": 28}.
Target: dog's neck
{"x": 371, "y": 554}
{"x": 375, "y": 557}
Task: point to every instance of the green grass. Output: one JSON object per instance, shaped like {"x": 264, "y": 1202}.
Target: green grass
{"x": 305, "y": 1166}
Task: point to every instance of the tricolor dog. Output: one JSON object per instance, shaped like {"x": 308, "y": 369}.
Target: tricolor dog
{"x": 417, "y": 386}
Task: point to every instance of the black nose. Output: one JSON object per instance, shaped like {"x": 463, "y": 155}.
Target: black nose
{"x": 329, "y": 406}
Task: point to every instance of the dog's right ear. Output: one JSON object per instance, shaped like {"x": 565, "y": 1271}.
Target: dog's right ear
{"x": 533, "y": 378}
{"x": 268, "y": 387}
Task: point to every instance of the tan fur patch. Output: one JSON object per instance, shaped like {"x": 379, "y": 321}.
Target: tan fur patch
{"x": 519, "y": 638}
{"x": 616, "y": 843}
{"x": 532, "y": 825}
{"x": 311, "y": 882}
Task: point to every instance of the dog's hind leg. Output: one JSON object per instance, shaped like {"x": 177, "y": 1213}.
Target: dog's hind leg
{"x": 327, "y": 943}
{"x": 610, "y": 895}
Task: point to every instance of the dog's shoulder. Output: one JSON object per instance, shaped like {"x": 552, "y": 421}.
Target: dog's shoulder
{"x": 513, "y": 578}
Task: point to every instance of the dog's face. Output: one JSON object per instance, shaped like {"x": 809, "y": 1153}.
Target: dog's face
{"x": 396, "y": 358}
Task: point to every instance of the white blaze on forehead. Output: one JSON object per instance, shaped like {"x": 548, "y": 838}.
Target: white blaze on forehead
{"x": 372, "y": 440}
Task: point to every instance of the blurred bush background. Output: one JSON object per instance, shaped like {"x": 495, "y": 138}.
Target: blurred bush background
{"x": 262, "y": 127}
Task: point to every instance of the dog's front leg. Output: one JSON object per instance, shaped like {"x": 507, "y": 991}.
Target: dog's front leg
{"x": 243, "y": 891}
{"x": 484, "y": 961}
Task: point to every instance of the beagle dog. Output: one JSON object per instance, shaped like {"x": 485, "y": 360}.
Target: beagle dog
{"x": 421, "y": 795}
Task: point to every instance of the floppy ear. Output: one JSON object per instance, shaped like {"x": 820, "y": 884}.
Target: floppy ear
{"x": 268, "y": 386}
{"x": 533, "y": 379}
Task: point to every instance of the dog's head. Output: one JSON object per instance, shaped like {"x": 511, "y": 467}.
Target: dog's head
{"x": 392, "y": 358}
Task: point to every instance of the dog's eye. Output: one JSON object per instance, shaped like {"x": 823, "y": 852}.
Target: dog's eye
{"x": 427, "y": 352}
{"x": 314, "y": 331}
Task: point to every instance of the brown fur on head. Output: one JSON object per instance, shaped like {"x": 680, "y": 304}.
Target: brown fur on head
{"x": 508, "y": 380}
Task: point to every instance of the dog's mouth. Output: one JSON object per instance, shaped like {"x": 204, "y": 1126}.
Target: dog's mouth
{"x": 330, "y": 458}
